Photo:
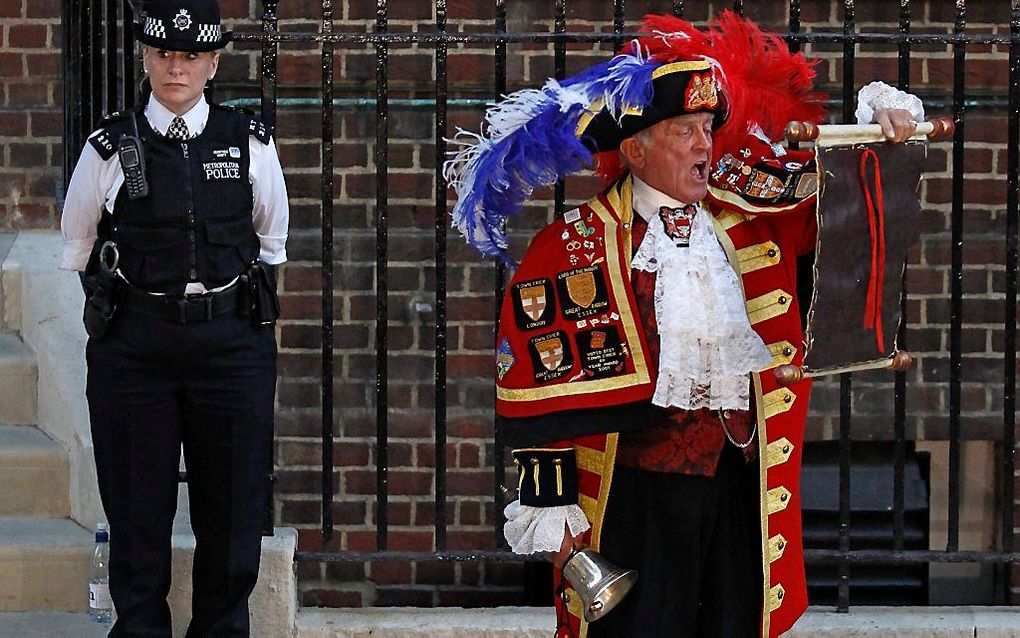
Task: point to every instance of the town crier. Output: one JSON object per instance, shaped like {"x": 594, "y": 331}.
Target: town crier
{"x": 637, "y": 331}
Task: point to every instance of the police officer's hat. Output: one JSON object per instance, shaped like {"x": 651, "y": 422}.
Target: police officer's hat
{"x": 182, "y": 25}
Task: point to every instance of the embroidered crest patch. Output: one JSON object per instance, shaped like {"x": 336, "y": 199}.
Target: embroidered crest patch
{"x": 551, "y": 357}
{"x": 582, "y": 292}
{"x": 504, "y": 358}
{"x": 701, "y": 92}
{"x": 534, "y": 304}
{"x": 600, "y": 352}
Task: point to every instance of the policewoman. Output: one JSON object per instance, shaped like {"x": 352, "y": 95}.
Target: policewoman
{"x": 176, "y": 213}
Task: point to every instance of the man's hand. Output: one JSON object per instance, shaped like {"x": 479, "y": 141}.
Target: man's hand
{"x": 897, "y": 124}
{"x": 567, "y": 546}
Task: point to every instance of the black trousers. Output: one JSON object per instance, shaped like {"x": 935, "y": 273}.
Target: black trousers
{"x": 155, "y": 386}
{"x": 696, "y": 543}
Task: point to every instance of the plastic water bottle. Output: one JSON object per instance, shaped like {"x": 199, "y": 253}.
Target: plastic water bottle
{"x": 100, "y": 603}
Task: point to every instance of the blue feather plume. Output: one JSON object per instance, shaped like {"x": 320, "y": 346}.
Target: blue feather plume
{"x": 529, "y": 141}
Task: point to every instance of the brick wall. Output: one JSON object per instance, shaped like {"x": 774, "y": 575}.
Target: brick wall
{"x": 30, "y": 115}
{"x": 31, "y": 143}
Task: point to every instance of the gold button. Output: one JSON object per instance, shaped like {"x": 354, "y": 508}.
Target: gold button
{"x": 781, "y": 545}
{"x": 782, "y": 300}
{"x": 771, "y": 252}
{"x": 534, "y": 461}
{"x": 626, "y": 225}
{"x": 783, "y": 497}
{"x": 786, "y": 448}
{"x": 557, "y": 461}
{"x": 787, "y": 351}
{"x": 787, "y": 398}
{"x": 780, "y": 594}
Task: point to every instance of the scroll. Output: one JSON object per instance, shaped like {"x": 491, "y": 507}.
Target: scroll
{"x": 868, "y": 218}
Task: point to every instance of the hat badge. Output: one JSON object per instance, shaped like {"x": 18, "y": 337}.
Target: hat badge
{"x": 182, "y": 20}
{"x": 701, "y": 92}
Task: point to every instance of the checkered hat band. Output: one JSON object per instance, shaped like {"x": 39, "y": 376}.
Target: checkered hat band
{"x": 209, "y": 33}
{"x": 155, "y": 27}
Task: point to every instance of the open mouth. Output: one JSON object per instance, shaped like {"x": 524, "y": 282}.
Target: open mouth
{"x": 700, "y": 170}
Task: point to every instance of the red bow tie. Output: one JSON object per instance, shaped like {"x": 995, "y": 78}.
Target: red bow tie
{"x": 677, "y": 223}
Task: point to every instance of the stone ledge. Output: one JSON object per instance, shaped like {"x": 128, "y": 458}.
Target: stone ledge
{"x": 910, "y": 622}
{"x": 386, "y": 622}
{"x": 535, "y": 622}
{"x": 273, "y": 604}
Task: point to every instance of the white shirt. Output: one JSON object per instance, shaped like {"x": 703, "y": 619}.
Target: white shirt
{"x": 707, "y": 345}
{"x": 647, "y": 200}
{"x": 95, "y": 184}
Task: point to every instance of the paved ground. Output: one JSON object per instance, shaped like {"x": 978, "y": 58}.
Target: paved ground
{"x": 50, "y": 625}
{"x": 532, "y": 622}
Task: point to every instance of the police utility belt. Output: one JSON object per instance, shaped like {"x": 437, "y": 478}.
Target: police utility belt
{"x": 253, "y": 295}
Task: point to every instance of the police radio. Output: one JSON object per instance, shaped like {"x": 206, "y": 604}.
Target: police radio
{"x": 132, "y": 163}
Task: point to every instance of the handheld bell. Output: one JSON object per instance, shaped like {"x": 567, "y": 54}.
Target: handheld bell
{"x": 600, "y": 584}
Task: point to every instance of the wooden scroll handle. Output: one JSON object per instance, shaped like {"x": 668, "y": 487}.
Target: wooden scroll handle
{"x": 937, "y": 128}
{"x": 787, "y": 375}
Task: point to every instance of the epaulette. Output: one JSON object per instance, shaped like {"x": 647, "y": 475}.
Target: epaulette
{"x": 259, "y": 130}
{"x": 102, "y": 141}
{"x": 104, "y": 138}
{"x": 256, "y": 128}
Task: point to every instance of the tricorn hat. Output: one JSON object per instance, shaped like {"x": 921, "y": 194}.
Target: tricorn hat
{"x": 534, "y": 137}
{"x": 181, "y": 25}
{"x": 678, "y": 88}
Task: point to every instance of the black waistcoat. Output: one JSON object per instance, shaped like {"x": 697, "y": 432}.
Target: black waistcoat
{"x": 196, "y": 223}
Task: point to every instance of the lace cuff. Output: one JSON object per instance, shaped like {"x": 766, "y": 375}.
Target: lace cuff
{"x": 879, "y": 95}
{"x": 540, "y": 529}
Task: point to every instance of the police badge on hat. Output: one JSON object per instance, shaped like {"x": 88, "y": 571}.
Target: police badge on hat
{"x": 181, "y": 25}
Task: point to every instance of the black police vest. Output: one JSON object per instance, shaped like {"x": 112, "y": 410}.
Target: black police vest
{"x": 196, "y": 222}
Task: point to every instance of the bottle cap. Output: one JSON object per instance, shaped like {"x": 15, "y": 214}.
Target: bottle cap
{"x": 101, "y": 527}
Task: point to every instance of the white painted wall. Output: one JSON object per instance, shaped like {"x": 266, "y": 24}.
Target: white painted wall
{"x": 44, "y": 303}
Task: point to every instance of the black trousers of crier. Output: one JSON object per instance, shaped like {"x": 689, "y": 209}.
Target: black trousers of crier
{"x": 154, "y": 387}
{"x": 695, "y": 541}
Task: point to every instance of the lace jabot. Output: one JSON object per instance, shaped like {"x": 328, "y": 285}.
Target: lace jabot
{"x": 707, "y": 345}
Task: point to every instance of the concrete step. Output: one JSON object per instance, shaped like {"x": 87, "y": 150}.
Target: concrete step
{"x": 33, "y": 474}
{"x": 50, "y": 625}
{"x": 44, "y": 564}
{"x": 18, "y": 381}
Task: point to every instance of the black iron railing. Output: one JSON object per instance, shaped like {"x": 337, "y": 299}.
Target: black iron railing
{"x": 100, "y": 78}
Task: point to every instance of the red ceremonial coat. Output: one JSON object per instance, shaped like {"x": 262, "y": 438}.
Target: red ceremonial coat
{"x": 570, "y": 341}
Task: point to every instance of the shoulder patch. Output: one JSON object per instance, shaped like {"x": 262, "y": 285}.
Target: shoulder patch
{"x": 259, "y": 130}
{"x": 105, "y": 138}
{"x": 102, "y": 141}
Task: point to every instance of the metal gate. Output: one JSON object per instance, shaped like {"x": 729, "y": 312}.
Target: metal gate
{"x": 100, "y": 75}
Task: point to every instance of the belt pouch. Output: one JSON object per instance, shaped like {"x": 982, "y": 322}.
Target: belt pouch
{"x": 265, "y": 303}
{"x": 102, "y": 292}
